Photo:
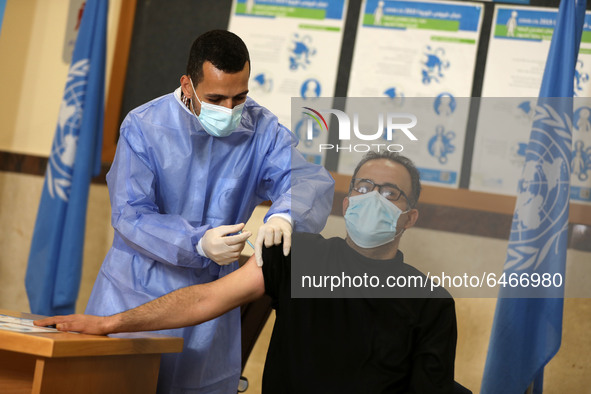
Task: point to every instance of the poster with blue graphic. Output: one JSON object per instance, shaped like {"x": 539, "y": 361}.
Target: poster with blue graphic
{"x": 517, "y": 52}
{"x": 406, "y": 50}
{"x": 415, "y": 48}
{"x": 294, "y": 48}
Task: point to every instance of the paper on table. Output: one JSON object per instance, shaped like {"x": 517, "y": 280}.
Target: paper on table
{"x": 18, "y": 324}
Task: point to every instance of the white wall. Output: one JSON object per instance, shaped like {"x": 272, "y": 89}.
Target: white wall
{"x": 32, "y": 72}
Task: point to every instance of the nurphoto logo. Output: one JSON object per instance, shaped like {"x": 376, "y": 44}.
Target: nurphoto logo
{"x": 393, "y": 121}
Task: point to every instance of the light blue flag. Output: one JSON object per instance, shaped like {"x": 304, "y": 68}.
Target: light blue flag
{"x": 2, "y": 7}
{"x": 55, "y": 259}
{"x": 527, "y": 327}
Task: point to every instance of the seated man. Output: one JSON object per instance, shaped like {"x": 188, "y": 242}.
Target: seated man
{"x": 329, "y": 345}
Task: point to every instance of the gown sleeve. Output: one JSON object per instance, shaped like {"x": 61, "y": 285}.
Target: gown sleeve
{"x": 301, "y": 189}
{"x": 135, "y": 216}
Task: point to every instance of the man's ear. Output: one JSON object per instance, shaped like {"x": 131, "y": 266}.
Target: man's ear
{"x": 413, "y": 216}
{"x": 345, "y": 204}
{"x": 186, "y": 86}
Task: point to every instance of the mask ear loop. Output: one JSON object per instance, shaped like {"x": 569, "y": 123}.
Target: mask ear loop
{"x": 403, "y": 229}
{"x": 192, "y": 103}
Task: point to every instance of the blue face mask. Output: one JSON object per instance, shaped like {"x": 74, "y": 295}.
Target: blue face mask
{"x": 218, "y": 121}
{"x": 371, "y": 220}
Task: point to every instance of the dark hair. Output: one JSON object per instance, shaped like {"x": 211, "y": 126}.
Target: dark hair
{"x": 225, "y": 50}
{"x": 415, "y": 177}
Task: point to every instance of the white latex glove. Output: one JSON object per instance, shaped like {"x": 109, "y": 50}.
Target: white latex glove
{"x": 220, "y": 247}
{"x": 271, "y": 234}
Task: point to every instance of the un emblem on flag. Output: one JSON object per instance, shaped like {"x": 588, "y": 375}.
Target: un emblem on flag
{"x": 63, "y": 150}
{"x": 541, "y": 211}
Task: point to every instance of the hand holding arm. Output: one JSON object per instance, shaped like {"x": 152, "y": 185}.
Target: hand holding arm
{"x": 272, "y": 233}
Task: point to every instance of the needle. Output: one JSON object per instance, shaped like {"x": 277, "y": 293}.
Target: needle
{"x": 247, "y": 241}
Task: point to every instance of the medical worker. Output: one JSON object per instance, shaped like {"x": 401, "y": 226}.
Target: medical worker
{"x": 190, "y": 168}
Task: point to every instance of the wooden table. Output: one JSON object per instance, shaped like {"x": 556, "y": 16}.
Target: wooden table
{"x": 61, "y": 362}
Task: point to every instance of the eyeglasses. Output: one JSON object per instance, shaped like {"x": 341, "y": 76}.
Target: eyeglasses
{"x": 387, "y": 190}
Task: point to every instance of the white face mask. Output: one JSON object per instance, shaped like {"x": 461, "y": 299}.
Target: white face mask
{"x": 218, "y": 121}
{"x": 371, "y": 220}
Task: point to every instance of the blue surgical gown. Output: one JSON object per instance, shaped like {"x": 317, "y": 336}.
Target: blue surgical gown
{"x": 170, "y": 182}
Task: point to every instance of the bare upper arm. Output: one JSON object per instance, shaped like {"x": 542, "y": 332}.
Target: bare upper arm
{"x": 242, "y": 286}
{"x": 253, "y": 281}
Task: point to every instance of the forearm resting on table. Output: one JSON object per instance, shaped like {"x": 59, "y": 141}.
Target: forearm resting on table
{"x": 184, "y": 307}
